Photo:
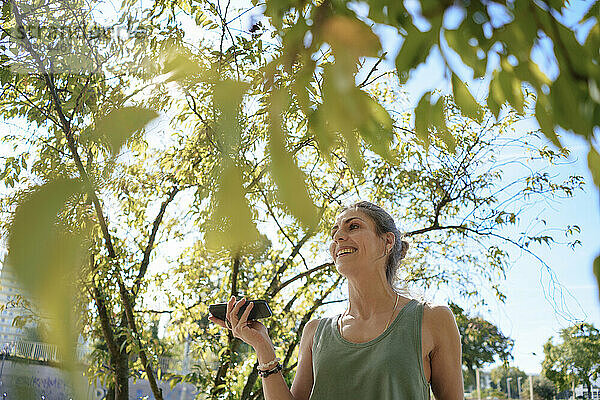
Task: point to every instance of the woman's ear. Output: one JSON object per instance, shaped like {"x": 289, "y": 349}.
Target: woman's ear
{"x": 390, "y": 240}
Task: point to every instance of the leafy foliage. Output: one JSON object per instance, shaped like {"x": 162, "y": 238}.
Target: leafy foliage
{"x": 504, "y": 375}
{"x": 575, "y": 359}
{"x": 482, "y": 342}
{"x": 543, "y": 388}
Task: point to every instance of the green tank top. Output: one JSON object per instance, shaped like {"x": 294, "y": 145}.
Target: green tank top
{"x": 388, "y": 367}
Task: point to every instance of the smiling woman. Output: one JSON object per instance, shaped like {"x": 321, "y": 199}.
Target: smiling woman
{"x": 385, "y": 346}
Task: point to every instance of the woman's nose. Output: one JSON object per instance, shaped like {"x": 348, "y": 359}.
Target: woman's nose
{"x": 339, "y": 235}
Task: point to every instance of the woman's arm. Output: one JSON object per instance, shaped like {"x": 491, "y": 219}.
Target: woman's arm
{"x": 255, "y": 334}
{"x": 274, "y": 386}
{"x": 303, "y": 381}
{"x": 446, "y": 356}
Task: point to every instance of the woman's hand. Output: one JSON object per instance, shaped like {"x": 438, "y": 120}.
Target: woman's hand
{"x": 252, "y": 332}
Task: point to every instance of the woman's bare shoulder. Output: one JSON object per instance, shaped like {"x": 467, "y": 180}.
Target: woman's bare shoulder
{"x": 309, "y": 330}
{"x": 438, "y": 318}
{"x": 311, "y": 326}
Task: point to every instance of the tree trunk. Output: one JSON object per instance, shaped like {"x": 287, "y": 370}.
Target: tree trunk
{"x": 110, "y": 391}
{"x": 589, "y": 389}
{"x": 219, "y": 382}
{"x": 121, "y": 366}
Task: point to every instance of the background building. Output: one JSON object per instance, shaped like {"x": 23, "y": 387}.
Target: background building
{"x": 9, "y": 295}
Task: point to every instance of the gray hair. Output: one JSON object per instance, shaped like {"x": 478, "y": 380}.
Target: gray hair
{"x": 384, "y": 223}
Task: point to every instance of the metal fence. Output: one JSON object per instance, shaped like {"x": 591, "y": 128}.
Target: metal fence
{"x": 46, "y": 352}
{"x": 31, "y": 350}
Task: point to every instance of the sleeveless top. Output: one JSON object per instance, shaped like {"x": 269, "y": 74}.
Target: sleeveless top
{"x": 389, "y": 367}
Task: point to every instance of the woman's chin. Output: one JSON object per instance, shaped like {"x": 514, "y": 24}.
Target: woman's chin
{"x": 344, "y": 267}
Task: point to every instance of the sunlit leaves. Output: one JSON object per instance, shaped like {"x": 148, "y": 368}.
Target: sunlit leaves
{"x": 115, "y": 128}
{"x": 569, "y": 112}
{"x": 481, "y": 340}
{"x": 179, "y": 67}
{"x": 290, "y": 180}
{"x": 576, "y": 356}
{"x": 459, "y": 41}
{"x": 377, "y": 128}
{"x": 350, "y": 117}
{"x": 543, "y": 113}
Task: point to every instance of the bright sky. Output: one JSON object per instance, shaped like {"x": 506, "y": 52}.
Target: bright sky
{"x": 529, "y": 314}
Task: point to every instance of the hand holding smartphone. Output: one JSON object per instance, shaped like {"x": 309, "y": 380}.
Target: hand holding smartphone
{"x": 260, "y": 310}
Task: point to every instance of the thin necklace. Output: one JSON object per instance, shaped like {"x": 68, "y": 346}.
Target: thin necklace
{"x": 386, "y": 325}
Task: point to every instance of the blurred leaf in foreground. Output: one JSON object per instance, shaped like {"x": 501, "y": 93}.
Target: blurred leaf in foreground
{"x": 597, "y": 272}
{"x": 119, "y": 125}
{"x": 231, "y": 223}
{"x": 228, "y": 96}
{"x": 427, "y": 116}
{"x": 290, "y": 180}
{"x": 464, "y": 100}
{"x": 45, "y": 257}
{"x": 594, "y": 165}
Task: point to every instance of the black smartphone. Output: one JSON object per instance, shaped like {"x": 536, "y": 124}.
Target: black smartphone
{"x": 260, "y": 310}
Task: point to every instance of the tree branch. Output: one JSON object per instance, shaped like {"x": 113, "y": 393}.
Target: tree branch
{"x": 373, "y": 69}
{"x": 151, "y": 239}
{"x": 302, "y": 275}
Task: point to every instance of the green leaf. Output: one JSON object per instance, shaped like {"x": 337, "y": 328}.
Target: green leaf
{"x": 227, "y": 98}
{"x": 531, "y": 73}
{"x": 505, "y": 87}
{"x": 320, "y": 126}
{"x": 290, "y": 180}
{"x": 593, "y": 12}
{"x": 377, "y": 130}
{"x": 511, "y": 88}
{"x": 569, "y": 104}
{"x": 428, "y": 116}
{"x": 5, "y": 75}
{"x": 119, "y": 125}
{"x": 464, "y": 100}
{"x": 204, "y": 20}
{"x": 34, "y": 225}
{"x": 543, "y": 114}
{"x": 459, "y": 41}
{"x": 594, "y": 165}
{"x": 180, "y": 66}
{"x": 414, "y": 50}
{"x": 495, "y": 99}
{"x": 597, "y": 273}
{"x": 231, "y": 224}
{"x": 350, "y": 37}
{"x": 447, "y": 137}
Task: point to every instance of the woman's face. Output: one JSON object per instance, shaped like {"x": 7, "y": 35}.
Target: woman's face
{"x": 354, "y": 241}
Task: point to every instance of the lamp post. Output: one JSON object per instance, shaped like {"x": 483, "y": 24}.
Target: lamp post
{"x": 519, "y": 386}
{"x": 508, "y": 387}
{"x": 530, "y": 387}
{"x": 478, "y": 384}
